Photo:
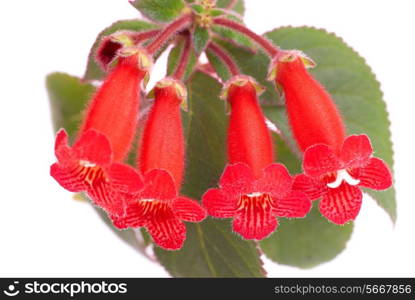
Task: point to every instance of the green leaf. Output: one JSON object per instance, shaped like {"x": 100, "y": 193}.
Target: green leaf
{"x": 306, "y": 242}
{"x": 68, "y": 97}
{"x": 200, "y": 39}
{"x": 93, "y": 71}
{"x": 160, "y": 10}
{"x": 174, "y": 57}
{"x": 211, "y": 248}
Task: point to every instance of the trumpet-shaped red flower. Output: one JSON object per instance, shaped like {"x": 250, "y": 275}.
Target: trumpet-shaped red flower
{"x": 158, "y": 207}
{"x": 255, "y": 202}
{"x": 253, "y": 190}
{"x": 313, "y": 116}
{"x": 337, "y": 177}
{"x": 93, "y": 163}
{"x": 88, "y": 166}
{"x": 161, "y": 211}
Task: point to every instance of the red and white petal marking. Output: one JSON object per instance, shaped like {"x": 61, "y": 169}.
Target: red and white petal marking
{"x": 255, "y": 219}
{"x": 167, "y": 232}
{"x": 342, "y": 204}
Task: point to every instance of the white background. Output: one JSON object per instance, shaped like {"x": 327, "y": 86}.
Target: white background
{"x": 43, "y": 232}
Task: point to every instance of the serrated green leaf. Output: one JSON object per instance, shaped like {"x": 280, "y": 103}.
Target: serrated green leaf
{"x": 160, "y": 10}
{"x": 200, "y": 39}
{"x": 68, "y": 97}
{"x": 174, "y": 57}
{"x": 93, "y": 71}
{"x": 306, "y": 242}
{"x": 211, "y": 249}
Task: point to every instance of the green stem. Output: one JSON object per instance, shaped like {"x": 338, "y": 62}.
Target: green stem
{"x": 227, "y": 59}
{"x": 183, "y": 60}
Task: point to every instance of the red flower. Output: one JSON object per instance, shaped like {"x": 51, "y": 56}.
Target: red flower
{"x": 313, "y": 116}
{"x": 253, "y": 190}
{"x": 161, "y": 158}
{"x": 161, "y": 211}
{"x": 88, "y": 166}
{"x": 113, "y": 110}
{"x": 255, "y": 202}
{"x": 337, "y": 177}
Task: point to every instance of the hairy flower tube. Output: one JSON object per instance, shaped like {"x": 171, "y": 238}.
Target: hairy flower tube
{"x": 158, "y": 207}
{"x": 253, "y": 190}
{"x": 334, "y": 166}
{"x": 93, "y": 164}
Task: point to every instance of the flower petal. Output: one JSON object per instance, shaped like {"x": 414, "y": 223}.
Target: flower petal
{"x": 93, "y": 147}
{"x": 169, "y": 233}
{"x": 62, "y": 150}
{"x": 124, "y": 178}
{"x": 275, "y": 181}
{"x": 105, "y": 196}
{"x": 341, "y": 204}
{"x": 133, "y": 217}
{"x": 295, "y": 205}
{"x": 158, "y": 184}
{"x": 68, "y": 177}
{"x": 375, "y": 175}
{"x": 237, "y": 178}
{"x": 319, "y": 160}
{"x": 188, "y": 209}
{"x": 356, "y": 151}
{"x": 313, "y": 188}
{"x": 219, "y": 204}
{"x": 255, "y": 222}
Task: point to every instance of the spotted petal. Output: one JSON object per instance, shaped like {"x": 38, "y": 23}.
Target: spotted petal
{"x": 342, "y": 204}
{"x": 319, "y": 160}
{"x": 68, "y": 176}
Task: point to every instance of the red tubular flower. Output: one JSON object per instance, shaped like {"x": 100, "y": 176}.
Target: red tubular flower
{"x": 312, "y": 114}
{"x": 337, "y": 177}
{"x": 158, "y": 207}
{"x": 93, "y": 163}
{"x": 163, "y": 140}
{"x": 253, "y": 190}
{"x": 114, "y": 108}
{"x": 334, "y": 166}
